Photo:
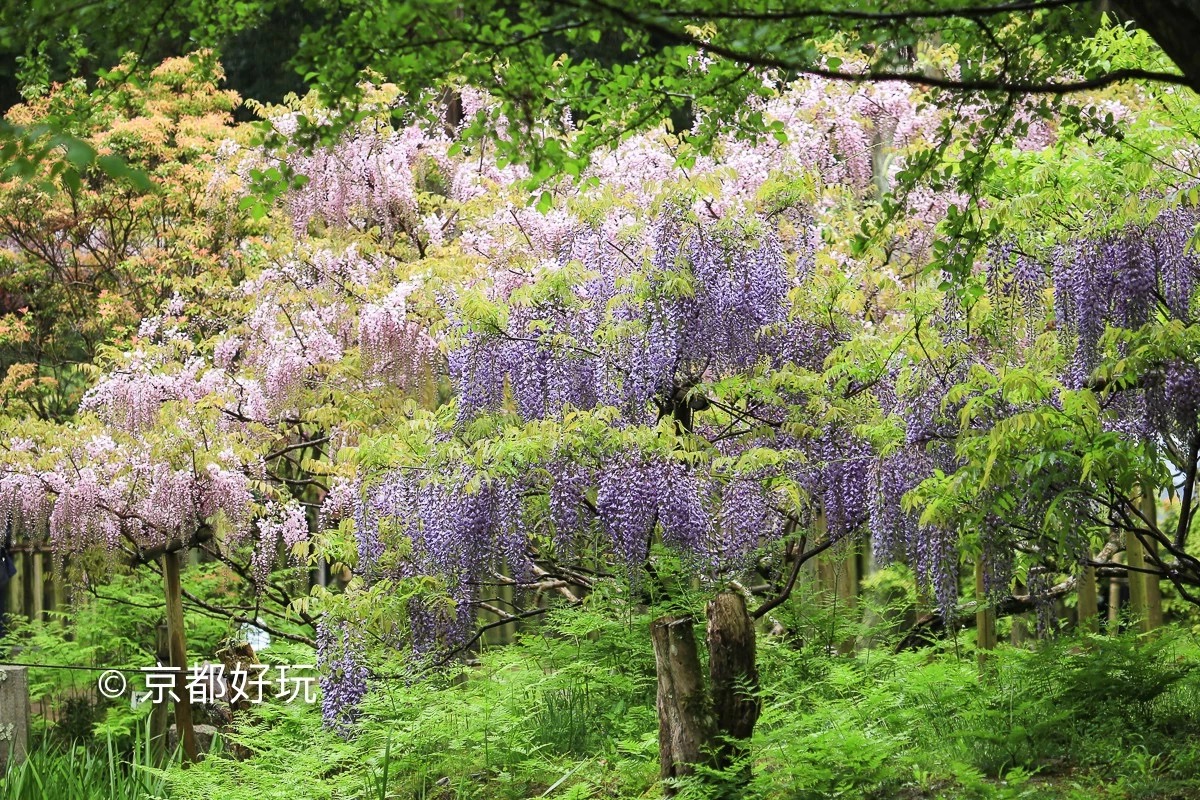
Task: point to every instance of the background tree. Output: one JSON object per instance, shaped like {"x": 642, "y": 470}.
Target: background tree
{"x": 87, "y": 254}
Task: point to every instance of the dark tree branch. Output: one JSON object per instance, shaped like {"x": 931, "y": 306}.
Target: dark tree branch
{"x": 801, "y": 558}
{"x": 1189, "y": 483}
{"x": 962, "y": 12}
{"x": 766, "y": 60}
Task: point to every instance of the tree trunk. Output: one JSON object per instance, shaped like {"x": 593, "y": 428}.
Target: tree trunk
{"x": 1175, "y": 27}
{"x": 733, "y": 675}
{"x": 685, "y": 721}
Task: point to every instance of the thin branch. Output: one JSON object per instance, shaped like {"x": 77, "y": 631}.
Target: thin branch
{"x": 769, "y": 61}
{"x": 976, "y": 12}
{"x": 801, "y": 557}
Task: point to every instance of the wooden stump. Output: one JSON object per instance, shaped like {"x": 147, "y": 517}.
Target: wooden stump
{"x": 733, "y": 674}
{"x": 685, "y": 722}
{"x": 14, "y": 716}
{"x": 239, "y": 656}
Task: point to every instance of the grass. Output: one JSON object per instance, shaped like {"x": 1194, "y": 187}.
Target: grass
{"x": 78, "y": 772}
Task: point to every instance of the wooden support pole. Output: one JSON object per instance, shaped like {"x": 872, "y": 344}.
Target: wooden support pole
{"x": 1135, "y": 557}
{"x": 509, "y": 595}
{"x": 502, "y": 634}
{"x": 823, "y": 577}
{"x": 160, "y": 714}
{"x": 1114, "y": 602}
{"x": 178, "y": 646}
{"x": 985, "y": 619}
{"x": 1088, "y": 606}
{"x": 824, "y": 586}
{"x": 16, "y": 589}
{"x": 1018, "y": 632}
{"x": 37, "y": 586}
{"x": 58, "y": 594}
{"x": 1153, "y": 590}
{"x": 846, "y": 590}
{"x": 14, "y": 716}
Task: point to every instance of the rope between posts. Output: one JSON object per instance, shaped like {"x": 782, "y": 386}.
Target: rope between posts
{"x": 79, "y": 667}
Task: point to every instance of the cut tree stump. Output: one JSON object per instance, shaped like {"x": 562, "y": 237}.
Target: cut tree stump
{"x": 685, "y": 721}
{"x": 733, "y": 674}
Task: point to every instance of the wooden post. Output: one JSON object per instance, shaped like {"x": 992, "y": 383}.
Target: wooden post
{"x": 1135, "y": 557}
{"x": 824, "y": 585}
{"x": 159, "y": 715}
{"x": 37, "y": 586}
{"x": 846, "y": 589}
{"x": 1154, "y": 613}
{"x": 239, "y": 656}
{"x": 1154, "y": 609}
{"x": 502, "y": 634}
{"x": 508, "y": 594}
{"x": 836, "y": 584}
{"x": 1088, "y": 607}
{"x": 16, "y": 589}
{"x": 1019, "y": 631}
{"x": 1114, "y": 602}
{"x": 178, "y": 647}
{"x": 985, "y": 618}
{"x": 58, "y": 594}
{"x": 14, "y": 716}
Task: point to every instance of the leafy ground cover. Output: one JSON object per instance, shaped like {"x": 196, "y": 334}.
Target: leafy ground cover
{"x": 568, "y": 711}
